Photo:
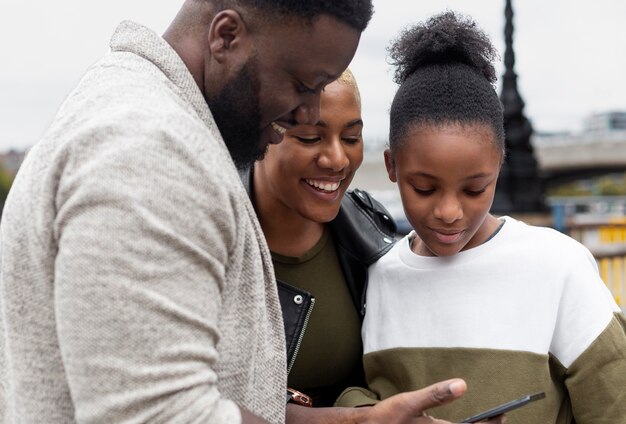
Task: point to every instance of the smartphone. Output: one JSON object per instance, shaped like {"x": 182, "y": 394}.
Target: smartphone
{"x": 506, "y": 407}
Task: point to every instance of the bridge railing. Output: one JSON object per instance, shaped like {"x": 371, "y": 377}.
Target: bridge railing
{"x": 607, "y": 243}
{"x": 599, "y": 223}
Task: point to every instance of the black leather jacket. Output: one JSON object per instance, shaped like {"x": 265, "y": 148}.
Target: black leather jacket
{"x": 363, "y": 231}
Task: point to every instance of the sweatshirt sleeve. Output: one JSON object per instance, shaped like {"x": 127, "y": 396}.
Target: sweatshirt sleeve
{"x": 143, "y": 235}
{"x": 596, "y": 381}
{"x": 590, "y": 342}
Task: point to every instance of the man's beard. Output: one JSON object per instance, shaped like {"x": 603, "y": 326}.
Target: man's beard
{"x": 237, "y": 115}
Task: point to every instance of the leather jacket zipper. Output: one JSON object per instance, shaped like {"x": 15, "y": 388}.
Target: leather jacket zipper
{"x": 364, "y": 300}
{"x": 301, "y": 335}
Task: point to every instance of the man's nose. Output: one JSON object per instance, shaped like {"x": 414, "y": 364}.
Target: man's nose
{"x": 308, "y": 112}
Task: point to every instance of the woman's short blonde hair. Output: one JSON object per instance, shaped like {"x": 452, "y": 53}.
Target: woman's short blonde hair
{"x": 347, "y": 78}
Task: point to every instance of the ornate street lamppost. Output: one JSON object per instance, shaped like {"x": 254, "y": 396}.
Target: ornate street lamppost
{"x": 520, "y": 189}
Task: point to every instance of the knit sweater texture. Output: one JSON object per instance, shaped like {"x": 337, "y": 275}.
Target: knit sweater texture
{"x": 136, "y": 284}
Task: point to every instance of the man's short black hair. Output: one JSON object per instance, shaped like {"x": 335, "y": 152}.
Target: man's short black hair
{"x": 355, "y": 13}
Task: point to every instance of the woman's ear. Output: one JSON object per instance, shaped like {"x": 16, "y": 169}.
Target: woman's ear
{"x": 391, "y": 166}
{"x": 228, "y": 37}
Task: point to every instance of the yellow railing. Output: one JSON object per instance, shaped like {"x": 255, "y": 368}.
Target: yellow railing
{"x": 613, "y": 273}
{"x": 607, "y": 243}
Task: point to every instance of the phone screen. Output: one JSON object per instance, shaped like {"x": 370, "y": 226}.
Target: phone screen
{"x": 501, "y": 409}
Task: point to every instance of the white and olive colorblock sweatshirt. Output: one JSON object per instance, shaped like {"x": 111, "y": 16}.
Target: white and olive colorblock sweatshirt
{"x": 524, "y": 312}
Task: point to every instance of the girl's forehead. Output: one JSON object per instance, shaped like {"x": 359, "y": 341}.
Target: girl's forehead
{"x": 448, "y": 148}
{"x": 460, "y": 129}
{"x": 462, "y": 132}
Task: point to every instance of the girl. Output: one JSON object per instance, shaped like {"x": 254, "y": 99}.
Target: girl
{"x": 512, "y": 309}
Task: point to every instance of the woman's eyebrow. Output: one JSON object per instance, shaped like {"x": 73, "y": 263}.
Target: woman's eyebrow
{"x": 350, "y": 124}
{"x": 354, "y": 123}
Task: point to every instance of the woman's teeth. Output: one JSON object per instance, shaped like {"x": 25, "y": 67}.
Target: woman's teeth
{"x": 323, "y": 186}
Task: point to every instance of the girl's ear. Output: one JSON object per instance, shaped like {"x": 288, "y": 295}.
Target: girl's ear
{"x": 391, "y": 166}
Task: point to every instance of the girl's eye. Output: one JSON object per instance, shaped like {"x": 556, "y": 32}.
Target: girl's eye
{"x": 307, "y": 140}
{"x": 475, "y": 193}
{"x": 422, "y": 192}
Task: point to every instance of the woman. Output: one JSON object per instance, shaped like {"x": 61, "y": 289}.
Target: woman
{"x": 322, "y": 238}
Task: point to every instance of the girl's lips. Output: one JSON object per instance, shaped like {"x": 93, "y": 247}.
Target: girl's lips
{"x": 447, "y": 237}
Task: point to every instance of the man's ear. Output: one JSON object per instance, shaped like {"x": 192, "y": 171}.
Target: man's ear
{"x": 228, "y": 34}
{"x": 391, "y": 166}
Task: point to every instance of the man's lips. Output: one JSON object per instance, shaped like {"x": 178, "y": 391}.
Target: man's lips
{"x": 277, "y": 133}
{"x": 279, "y": 128}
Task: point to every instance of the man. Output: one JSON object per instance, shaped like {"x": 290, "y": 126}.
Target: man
{"x": 136, "y": 284}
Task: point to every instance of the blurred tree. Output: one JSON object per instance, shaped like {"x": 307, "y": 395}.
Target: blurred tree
{"x": 608, "y": 185}
{"x": 611, "y": 186}
{"x": 6, "y": 179}
{"x": 569, "y": 190}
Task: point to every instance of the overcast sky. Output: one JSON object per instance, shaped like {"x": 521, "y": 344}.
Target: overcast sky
{"x": 570, "y": 55}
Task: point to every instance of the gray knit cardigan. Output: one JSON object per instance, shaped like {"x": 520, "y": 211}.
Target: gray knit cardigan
{"x": 136, "y": 284}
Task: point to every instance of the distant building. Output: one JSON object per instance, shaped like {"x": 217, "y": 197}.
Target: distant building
{"x": 607, "y": 127}
{"x": 603, "y": 122}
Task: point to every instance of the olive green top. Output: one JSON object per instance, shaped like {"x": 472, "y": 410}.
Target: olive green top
{"x": 330, "y": 353}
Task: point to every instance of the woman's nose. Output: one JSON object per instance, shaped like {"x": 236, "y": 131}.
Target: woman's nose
{"x": 333, "y": 156}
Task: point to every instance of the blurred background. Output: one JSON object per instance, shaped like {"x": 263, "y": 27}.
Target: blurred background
{"x": 561, "y": 81}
